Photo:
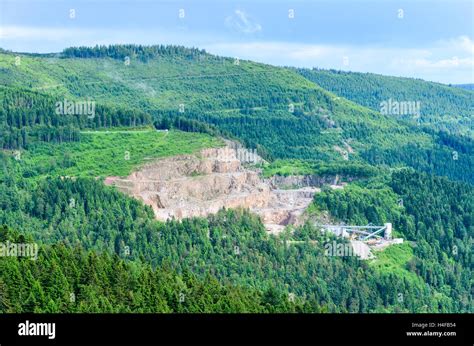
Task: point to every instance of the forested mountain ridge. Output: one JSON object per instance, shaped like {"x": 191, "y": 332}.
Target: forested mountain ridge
{"x": 442, "y": 106}
{"x": 132, "y": 51}
{"x": 276, "y": 110}
{"x": 464, "y": 86}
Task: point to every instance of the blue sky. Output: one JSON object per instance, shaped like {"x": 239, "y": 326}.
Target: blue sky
{"x": 429, "y": 39}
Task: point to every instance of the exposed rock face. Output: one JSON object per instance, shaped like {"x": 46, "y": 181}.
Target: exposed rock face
{"x": 197, "y": 185}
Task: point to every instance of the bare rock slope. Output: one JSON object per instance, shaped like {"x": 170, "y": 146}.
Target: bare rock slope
{"x": 197, "y": 185}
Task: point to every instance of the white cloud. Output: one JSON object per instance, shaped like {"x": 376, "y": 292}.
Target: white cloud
{"x": 446, "y": 61}
{"x": 461, "y": 43}
{"x": 443, "y": 63}
{"x": 242, "y": 22}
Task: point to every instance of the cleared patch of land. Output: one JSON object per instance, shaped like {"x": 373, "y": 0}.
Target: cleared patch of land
{"x": 107, "y": 153}
{"x": 395, "y": 259}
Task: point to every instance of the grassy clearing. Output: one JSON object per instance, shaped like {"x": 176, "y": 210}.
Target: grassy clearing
{"x": 288, "y": 167}
{"x": 302, "y": 167}
{"x": 107, "y": 153}
{"x": 394, "y": 259}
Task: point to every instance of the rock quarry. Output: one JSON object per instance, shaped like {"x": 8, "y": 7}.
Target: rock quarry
{"x": 202, "y": 183}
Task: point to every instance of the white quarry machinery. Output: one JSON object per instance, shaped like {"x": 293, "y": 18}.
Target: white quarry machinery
{"x": 365, "y": 238}
{"x": 361, "y": 232}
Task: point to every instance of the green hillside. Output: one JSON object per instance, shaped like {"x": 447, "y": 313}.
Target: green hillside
{"x": 276, "y": 110}
{"x": 444, "y": 107}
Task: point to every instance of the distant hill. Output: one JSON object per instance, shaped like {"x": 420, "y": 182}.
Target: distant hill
{"x": 464, "y": 86}
{"x": 284, "y": 113}
{"x": 441, "y": 106}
